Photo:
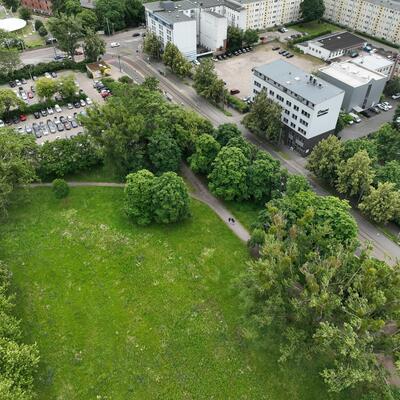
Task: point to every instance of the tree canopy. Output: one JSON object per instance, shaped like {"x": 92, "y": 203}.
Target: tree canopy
{"x": 312, "y": 10}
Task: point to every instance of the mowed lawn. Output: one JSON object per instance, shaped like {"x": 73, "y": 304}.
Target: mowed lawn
{"x": 314, "y": 27}
{"x": 121, "y": 312}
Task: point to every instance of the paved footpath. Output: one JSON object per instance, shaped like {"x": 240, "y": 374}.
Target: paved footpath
{"x": 200, "y": 193}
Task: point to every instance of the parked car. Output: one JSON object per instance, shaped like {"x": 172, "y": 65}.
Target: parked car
{"x": 43, "y": 112}
{"x": 60, "y": 126}
{"x": 36, "y": 114}
{"x": 353, "y": 54}
{"x": 50, "y": 111}
{"x": 51, "y": 125}
{"x": 12, "y": 84}
{"x": 63, "y": 120}
{"x": 23, "y": 81}
{"x": 24, "y": 96}
{"x": 70, "y": 106}
{"x": 366, "y": 113}
{"x": 22, "y": 117}
{"x": 355, "y": 117}
{"x": 2, "y": 124}
{"x": 285, "y": 53}
{"x": 36, "y": 130}
{"x": 388, "y": 105}
{"x": 47, "y": 75}
{"x": 115, "y": 44}
{"x": 83, "y": 103}
{"x": 234, "y": 91}
{"x": 43, "y": 128}
{"x": 20, "y": 130}
{"x": 375, "y": 109}
{"x": 51, "y": 40}
{"x": 74, "y": 124}
{"x": 31, "y": 95}
{"x": 28, "y": 129}
{"x": 54, "y": 74}
{"x": 18, "y": 83}
{"x": 89, "y": 101}
{"x": 57, "y": 108}
{"x": 282, "y": 51}
{"x": 396, "y": 96}
{"x": 77, "y": 104}
{"x": 59, "y": 57}
{"x": 104, "y": 93}
{"x": 275, "y": 48}
{"x": 289, "y": 55}
{"x": 67, "y": 125}
{"x": 33, "y": 90}
{"x": 282, "y": 30}
{"x": 136, "y": 34}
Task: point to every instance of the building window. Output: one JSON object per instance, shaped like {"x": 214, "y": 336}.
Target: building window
{"x": 294, "y": 116}
{"x": 258, "y": 84}
{"x": 288, "y": 103}
{"x": 285, "y": 120}
{"x": 303, "y": 122}
{"x": 271, "y": 92}
{"x": 293, "y": 125}
{"x": 301, "y": 130}
{"x": 305, "y": 113}
{"x": 296, "y": 108}
{"x": 287, "y": 112}
{"x": 280, "y": 98}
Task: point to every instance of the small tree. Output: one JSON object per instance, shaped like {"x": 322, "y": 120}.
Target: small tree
{"x": 264, "y": 118}
{"x": 312, "y": 10}
{"x": 234, "y": 38}
{"x": 152, "y": 46}
{"x": 8, "y": 100}
{"x": 164, "y": 153}
{"x": 25, "y": 13}
{"x": 38, "y": 24}
{"x": 9, "y": 60}
{"x": 93, "y": 46}
{"x": 393, "y": 86}
{"x": 226, "y": 132}
{"x": 296, "y": 184}
{"x": 174, "y": 59}
{"x": 250, "y": 36}
{"x": 60, "y": 188}
{"x": 67, "y": 87}
{"x": 382, "y": 204}
{"x": 42, "y": 31}
{"x": 46, "y": 88}
{"x": 207, "y": 149}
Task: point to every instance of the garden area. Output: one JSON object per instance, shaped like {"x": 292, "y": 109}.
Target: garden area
{"x": 113, "y": 318}
{"x": 314, "y": 27}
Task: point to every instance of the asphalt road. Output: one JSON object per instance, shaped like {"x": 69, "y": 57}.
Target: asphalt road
{"x": 383, "y": 247}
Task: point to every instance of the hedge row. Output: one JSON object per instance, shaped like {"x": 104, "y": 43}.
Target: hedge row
{"x": 39, "y": 69}
{"x": 309, "y": 37}
{"x": 237, "y": 104}
{"x": 37, "y": 107}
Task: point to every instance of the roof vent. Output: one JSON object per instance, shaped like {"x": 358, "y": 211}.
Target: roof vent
{"x": 296, "y": 78}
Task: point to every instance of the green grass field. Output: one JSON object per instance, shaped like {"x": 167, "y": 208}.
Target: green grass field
{"x": 314, "y": 27}
{"x": 121, "y": 312}
{"x": 246, "y": 212}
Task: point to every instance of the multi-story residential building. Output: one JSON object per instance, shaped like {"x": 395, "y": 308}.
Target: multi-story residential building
{"x": 332, "y": 46}
{"x": 380, "y": 18}
{"x": 310, "y": 106}
{"x": 362, "y": 86}
{"x": 38, "y": 6}
{"x": 377, "y": 63}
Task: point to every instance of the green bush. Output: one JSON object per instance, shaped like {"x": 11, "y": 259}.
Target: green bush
{"x": 39, "y": 69}
{"x": 42, "y": 31}
{"x": 308, "y": 37}
{"x": 125, "y": 79}
{"x": 38, "y": 24}
{"x": 25, "y": 13}
{"x": 237, "y": 104}
{"x": 60, "y": 188}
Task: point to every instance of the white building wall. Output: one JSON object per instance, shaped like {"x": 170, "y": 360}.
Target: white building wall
{"x": 213, "y": 31}
{"x": 184, "y": 37}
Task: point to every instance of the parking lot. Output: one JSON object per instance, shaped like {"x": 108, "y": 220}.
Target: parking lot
{"x": 236, "y": 71}
{"x": 66, "y": 114}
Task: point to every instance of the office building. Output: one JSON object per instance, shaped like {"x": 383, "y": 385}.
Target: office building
{"x": 379, "y": 18}
{"x": 310, "y": 106}
{"x": 333, "y": 45}
{"x": 376, "y": 62}
{"x": 363, "y": 87}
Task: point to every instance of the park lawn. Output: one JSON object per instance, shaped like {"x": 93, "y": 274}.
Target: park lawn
{"x": 123, "y": 312}
{"x": 246, "y": 212}
{"x": 314, "y": 27}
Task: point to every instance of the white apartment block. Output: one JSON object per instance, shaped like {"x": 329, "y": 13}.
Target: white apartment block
{"x": 380, "y": 18}
{"x": 310, "y": 106}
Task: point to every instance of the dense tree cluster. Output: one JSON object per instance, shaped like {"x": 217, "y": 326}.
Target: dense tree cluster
{"x": 325, "y": 302}
{"x": 152, "y": 45}
{"x": 174, "y": 59}
{"x": 367, "y": 169}
{"x": 162, "y": 199}
{"x": 236, "y": 38}
{"x": 312, "y": 10}
{"x": 138, "y": 129}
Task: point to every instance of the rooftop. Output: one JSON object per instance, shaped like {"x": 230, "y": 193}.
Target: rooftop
{"x": 351, "y": 74}
{"x": 373, "y": 61}
{"x": 298, "y": 81}
{"x": 393, "y": 4}
{"x": 170, "y": 5}
{"x": 173, "y": 17}
{"x": 339, "y": 41}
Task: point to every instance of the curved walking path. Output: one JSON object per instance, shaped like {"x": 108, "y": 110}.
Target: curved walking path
{"x": 200, "y": 193}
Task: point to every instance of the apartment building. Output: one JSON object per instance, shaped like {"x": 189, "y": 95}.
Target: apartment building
{"x": 310, "y": 105}
{"x": 380, "y": 18}
{"x": 363, "y": 87}
{"x": 38, "y": 6}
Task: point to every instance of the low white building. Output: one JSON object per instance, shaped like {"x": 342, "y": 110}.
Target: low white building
{"x": 362, "y": 86}
{"x": 332, "y": 46}
{"x": 376, "y": 63}
{"x": 212, "y": 30}
{"x": 310, "y": 106}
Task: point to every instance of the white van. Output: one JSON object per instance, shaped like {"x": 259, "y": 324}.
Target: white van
{"x": 355, "y": 117}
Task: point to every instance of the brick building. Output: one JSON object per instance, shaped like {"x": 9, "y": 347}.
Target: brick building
{"x": 38, "y": 6}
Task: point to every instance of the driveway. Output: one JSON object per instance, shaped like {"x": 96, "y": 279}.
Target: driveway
{"x": 236, "y": 71}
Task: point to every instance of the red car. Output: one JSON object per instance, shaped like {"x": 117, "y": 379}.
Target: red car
{"x": 104, "y": 93}
{"x": 30, "y": 95}
{"x": 22, "y": 117}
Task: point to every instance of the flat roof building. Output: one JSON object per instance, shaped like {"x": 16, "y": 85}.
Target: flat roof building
{"x": 310, "y": 105}
{"x": 332, "y": 46}
{"x": 376, "y": 63}
{"x": 363, "y": 87}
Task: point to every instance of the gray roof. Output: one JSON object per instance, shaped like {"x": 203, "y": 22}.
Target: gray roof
{"x": 167, "y": 5}
{"x": 191, "y": 4}
{"x": 173, "y": 17}
{"x": 340, "y": 41}
{"x": 298, "y": 81}
{"x": 214, "y": 14}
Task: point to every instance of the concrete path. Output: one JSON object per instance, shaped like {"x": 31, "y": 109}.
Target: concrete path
{"x": 201, "y": 193}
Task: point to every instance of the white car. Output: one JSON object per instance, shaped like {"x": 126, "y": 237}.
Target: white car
{"x": 383, "y": 107}
{"x": 70, "y": 106}
{"x": 396, "y": 96}
{"x": 28, "y": 129}
{"x": 20, "y": 129}
{"x": 115, "y": 44}
{"x": 89, "y": 101}
{"x": 24, "y": 96}
{"x": 50, "y": 111}
{"x": 70, "y": 118}
{"x": 57, "y": 108}
{"x": 47, "y": 75}
{"x": 1, "y": 123}
{"x": 388, "y": 105}
{"x": 83, "y": 104}
{"x": 195, "y": 62}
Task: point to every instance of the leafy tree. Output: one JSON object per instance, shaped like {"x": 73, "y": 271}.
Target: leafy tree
{"x": 93, "y": 46}
{"x": 60, "y": 188}
{"x": 250, "y": 36}
{"x": 170, "y": 199}
{"x": 174, "y": 59}
{"x": 234, "y": 38}
{"x": 151, "y": 83}
{"x": 42, "y": 31}
{"x": 125, "y": 79}
{"x": 351, "y": 147}
{"x": 264, "y": 118}
{"x": 264, "y": 178}
{"x": 164, "y": 152}
{"x": 226, "y": 132}
{"x": 249, "y": 150}
{"x": 134, "y": 12}
{"x": 207, "y": 83}
{"x": 388, "y": 143}
{"x": 17, "y": 163}
{"x": 46, "y": 88}
{"x": 67, "y": 87}
{"x": 38, "y": 24}
{"x": 325, "y": 158}
{"x": 8, "y": 100}
{"x": 13, "y": 4}
{"x": 25, "y": 13}
{"x": 312, "y": 10}
{"x": 139, "y": 191}
{"x": 382, "y": 204}
{"x": 296, "y": 184}
{"x": 355, "y": 175}
{"x": 9, "y": 60}
{"x": 72, "y": 7}
{"x": 88, "y": 20}
{"x": 111, "y": 15}
{"x": 207, "y": 149}
{"x": 228, "y": 178}
{"x": 152, "y": 45}
{"x": 389, "y": 172}
{"x": 340, "y": 123}
{"x": 392, "y": 86}
{"x": 68, "y": 31}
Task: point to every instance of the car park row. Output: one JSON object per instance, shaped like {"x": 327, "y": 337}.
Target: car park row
{"x": 235, "y": 53}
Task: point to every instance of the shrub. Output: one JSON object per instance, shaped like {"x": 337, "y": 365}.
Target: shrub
{"x": 125, "y": 79}
{"x": 38, "y": 24}
{"x": 237, "y": 104}
{"x": 60, "y": 188}
{"x": 42, "y": 31}
{"x": 25, "y": 13}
